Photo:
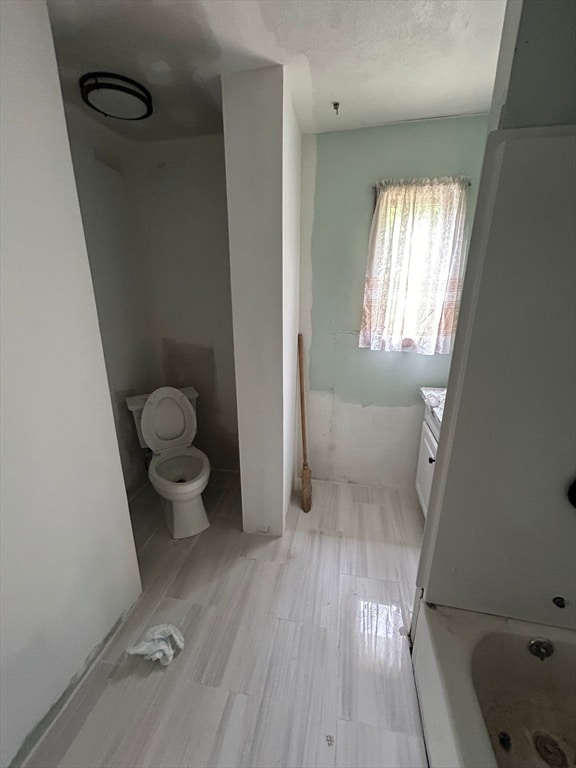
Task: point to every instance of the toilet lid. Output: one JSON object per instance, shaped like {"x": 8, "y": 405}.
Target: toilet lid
{"x": 168, "y": 420}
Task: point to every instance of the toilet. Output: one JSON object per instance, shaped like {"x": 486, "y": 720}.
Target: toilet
{"x": 178, "y": 472}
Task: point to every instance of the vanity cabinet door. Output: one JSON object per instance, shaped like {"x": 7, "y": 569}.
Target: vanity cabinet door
{"x": 425, "y": 471}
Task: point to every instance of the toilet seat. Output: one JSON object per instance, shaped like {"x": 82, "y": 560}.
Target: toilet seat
{"x": 168, "y": 421}
{"x": 174, "y": 483}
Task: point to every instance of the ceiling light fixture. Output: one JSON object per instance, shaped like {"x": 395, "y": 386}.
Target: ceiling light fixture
{"x": 116, "y": 96}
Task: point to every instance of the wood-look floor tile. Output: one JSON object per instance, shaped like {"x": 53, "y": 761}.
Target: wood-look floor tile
{"x": 236, "y": 649}
{"x": 122, "y": 727}
{"x": 218, "y": 484}
{"x": 159, "y": 561}
{"x": 146, "y": 613}
{"x": 161, "y": 558}
{"x": 115, "y": 732}
{"x": 329, "y": 507}
{"x": 365, "y": 494}
{"x": 159, "y": 718}
{"x": 294, "y": 654}
{"x": 365, "y": 746}
{"x": 210, "y": 559}
{"x": 368, "y": 549}
{"x": 215, "y": 723}
{"x": 376, "y": 685}
{"x": 297, "y": 718}
{"x": 223, "y": 501}
{"x": 310, "y": 583}
{"x": 271, "y": 548}
{"x": 51, "y": 750}
{"x": 146, "y": 515}
{"x": 407, "y": 559}
{"x": 409, "y": 520}
{"x": 195, "y": 623}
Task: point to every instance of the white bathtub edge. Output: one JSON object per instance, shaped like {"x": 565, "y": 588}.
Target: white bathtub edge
{"x": 452, "y": 721}
{"x": 439, "y": 734}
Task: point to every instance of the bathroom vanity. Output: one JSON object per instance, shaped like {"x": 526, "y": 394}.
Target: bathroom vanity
{"x": 434, "y": 400}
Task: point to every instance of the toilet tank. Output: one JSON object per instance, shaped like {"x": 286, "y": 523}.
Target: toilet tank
{"x": 136, "y": 406}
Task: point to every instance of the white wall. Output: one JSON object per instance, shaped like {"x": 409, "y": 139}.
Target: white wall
{"x": 500, "y": 534}
{"x": 307, "y": 193}
{"x": 178, "y": 190}
{"x": 291, "y": 164}
{"x": 253, "y": 106}
{"x": 68, "y": 563}
{"x": 263, "y": 146}
{"x": 156, "y": 229}
{"x": 117, "y": 269}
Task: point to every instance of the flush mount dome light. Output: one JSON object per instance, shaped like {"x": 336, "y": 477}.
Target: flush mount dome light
{"x": 116, "y": 96}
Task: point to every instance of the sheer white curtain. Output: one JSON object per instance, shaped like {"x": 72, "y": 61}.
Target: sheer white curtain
{"x": 415, "y": 265}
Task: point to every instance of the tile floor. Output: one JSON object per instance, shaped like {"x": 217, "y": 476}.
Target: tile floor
{"x": 296, "y": 650}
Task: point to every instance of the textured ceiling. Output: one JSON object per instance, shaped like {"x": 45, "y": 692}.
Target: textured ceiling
{"x": 383, "y": 60}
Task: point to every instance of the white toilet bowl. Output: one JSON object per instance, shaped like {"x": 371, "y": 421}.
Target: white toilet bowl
{"x": 178, "y": 472}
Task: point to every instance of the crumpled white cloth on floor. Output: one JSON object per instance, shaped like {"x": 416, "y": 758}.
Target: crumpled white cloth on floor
{"x": 157, "y": 644}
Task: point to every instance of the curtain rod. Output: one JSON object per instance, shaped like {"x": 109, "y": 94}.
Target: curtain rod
{"x": 377, "y": 186}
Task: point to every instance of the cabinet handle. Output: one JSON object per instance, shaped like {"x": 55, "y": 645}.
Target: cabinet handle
{"x": 431, "y": 460}
{"x": 572, "y": 493}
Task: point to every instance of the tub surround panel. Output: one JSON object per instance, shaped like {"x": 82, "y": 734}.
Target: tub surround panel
{"x": 505, "y": 539}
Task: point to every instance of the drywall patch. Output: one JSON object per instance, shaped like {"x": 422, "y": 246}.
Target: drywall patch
{"x": 194, "y": 365}
{"x": 373, "y": 445}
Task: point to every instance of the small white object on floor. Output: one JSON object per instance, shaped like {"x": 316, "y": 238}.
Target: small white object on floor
{"x": 157, "y": 644}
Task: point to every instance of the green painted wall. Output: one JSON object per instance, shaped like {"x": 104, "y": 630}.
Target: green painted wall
{"x": 347, "y": 166}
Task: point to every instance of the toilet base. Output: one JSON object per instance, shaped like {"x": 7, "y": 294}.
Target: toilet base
{"x": 185, "y": 518}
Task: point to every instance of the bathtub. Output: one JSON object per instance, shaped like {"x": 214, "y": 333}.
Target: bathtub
{"x": 485, "y": 700}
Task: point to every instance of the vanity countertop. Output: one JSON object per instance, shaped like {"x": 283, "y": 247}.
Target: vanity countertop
{"x": 434, "y": 399}
{"x": 433, "y": 396}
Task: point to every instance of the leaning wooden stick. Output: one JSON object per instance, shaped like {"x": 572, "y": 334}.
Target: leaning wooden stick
{"x": 306, "y": 473}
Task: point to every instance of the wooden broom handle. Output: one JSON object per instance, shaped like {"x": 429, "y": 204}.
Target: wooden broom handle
{"x": 302, "y": 405}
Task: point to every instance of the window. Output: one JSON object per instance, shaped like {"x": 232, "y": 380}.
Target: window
{"x": 415, "y": 266}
